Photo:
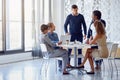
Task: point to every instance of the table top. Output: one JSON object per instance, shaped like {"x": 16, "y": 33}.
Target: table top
{"x": 75, "y": 45}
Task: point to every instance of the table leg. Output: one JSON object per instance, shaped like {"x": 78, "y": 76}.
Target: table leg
{"x": 75, "y": 56}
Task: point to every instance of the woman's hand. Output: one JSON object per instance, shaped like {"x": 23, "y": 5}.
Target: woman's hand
{"x": 60, "y": 42}
{"x": 93, "y": 41}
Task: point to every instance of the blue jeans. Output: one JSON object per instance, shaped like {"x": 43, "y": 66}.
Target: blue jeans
{"x": 78, "y": 37}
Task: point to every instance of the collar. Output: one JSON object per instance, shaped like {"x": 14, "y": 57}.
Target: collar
{"x": 75, "y": 15}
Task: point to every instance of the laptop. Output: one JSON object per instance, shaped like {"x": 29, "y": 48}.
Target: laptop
{"x": 65, "y": 38}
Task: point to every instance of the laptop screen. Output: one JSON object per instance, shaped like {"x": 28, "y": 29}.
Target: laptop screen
{"x": 65, "y": 38}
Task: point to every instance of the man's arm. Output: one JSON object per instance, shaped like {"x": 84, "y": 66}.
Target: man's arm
{"x": 66, "y": 24}
{"x": 89, "y": 34}
{"x": 103, "y": 21}
{"x": 84, "y": 25}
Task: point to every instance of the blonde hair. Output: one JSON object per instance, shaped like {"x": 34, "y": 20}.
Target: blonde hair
{"x": 50, "y": 24}
{"x": 100, "y": 29}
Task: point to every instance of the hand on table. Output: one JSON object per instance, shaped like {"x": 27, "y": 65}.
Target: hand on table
{"x": 84, "y": 37}
{"x": 87, "y": 41}
{"x": 60, "y": 42}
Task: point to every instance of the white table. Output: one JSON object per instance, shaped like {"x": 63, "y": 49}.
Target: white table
{"x": 76, "y": 47}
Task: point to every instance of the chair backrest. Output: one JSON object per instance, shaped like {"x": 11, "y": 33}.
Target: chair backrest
{"x": 43, "y": 47}
{"x": 44, "y": 51}
{"x": 114, "y": 50}
{"x": 109, "y": 46}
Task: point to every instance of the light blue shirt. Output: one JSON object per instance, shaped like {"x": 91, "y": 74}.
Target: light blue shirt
{"x": 53, "y": 37}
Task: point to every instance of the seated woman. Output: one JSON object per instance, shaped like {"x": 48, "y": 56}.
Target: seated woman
{"x": 101, "y": 51}
{"x": 54, "y": 38}
{"x": 50, "y": 47}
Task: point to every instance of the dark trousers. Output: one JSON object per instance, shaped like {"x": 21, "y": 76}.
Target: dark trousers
{"x": 60, "y": 64}
{"x": 98, "y": 62}
{"x": 78, "y": 37}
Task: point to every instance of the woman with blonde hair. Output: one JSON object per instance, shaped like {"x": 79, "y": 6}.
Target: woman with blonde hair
{"x": 98, "y": 52}
{"x": 52, "y": 34}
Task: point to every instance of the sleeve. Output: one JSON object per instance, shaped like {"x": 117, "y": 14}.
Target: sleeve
{"x": 89, "y": 30}
{"x": 49, "y": 42}
{"x": 57, "y": 37}
{"x": 103, "y": 22}
{"x": 66, "y": 24}
{"x": 89, "y": 33}
{"x": 48, "y": 35}
{"x": 84, "y": 25}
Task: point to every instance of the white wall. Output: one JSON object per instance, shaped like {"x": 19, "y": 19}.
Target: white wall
{"x": 110, "y": 13}
{"x": 109, "y": 8}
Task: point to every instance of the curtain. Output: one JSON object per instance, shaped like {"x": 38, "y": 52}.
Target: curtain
{"x": 41, "y": 15}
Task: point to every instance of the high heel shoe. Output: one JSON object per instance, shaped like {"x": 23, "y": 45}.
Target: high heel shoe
{"x": 90, "y": 72}
{"x": 80, "y": 67}
{"x": 66, "y": 73}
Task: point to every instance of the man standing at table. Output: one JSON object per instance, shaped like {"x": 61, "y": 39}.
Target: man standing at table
{"x": 76, "y": 22}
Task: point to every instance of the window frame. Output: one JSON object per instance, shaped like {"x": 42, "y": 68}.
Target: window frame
{"x": 5, "y": 51}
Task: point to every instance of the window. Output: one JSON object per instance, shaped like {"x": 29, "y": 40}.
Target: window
{"x": 13, "y": 25}
{"x": 0, "y": 36}
{"x": 28, "y": 25}
{"x": 21, "y": 21}
{"x": 0, "y": 25}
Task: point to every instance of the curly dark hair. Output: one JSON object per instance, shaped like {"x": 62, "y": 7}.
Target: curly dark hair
{"x": 74, "y": 6}
{"x": 44, "y": 27}
{"x": 97, "y": 13}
